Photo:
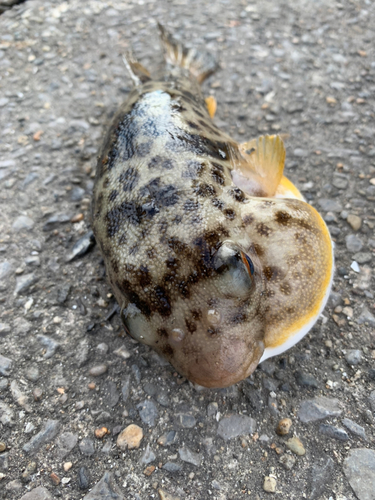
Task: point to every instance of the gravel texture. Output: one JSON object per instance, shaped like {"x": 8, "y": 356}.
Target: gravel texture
{"x": 70, "y": 379}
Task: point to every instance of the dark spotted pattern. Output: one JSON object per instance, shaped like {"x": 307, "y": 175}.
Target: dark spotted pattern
{"x": 263, "y": 229}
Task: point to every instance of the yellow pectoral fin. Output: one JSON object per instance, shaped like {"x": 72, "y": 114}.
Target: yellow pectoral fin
{"x": 211, "y": 105}
{"x": 264, "y": 161}
{"x": 286, "y": 189}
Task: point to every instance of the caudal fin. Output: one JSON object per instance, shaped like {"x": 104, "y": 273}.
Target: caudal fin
{"x": 201, "y": 64}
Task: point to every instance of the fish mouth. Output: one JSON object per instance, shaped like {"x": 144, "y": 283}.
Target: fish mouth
{"x": 235, "y": 362}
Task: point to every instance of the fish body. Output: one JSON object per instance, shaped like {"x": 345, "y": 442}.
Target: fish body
{"x": 214, "y": 258}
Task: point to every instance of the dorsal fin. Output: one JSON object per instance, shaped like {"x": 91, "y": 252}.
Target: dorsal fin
{"x": 201, "y": 64}
{"x": 264, "y": 162}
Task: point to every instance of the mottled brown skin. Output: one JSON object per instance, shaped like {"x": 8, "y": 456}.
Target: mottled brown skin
{"x": 171, "y": 225}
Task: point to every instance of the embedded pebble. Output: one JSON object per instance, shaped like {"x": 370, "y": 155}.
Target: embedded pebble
{"x": 45, "y": 435}
{"x": 64, "y": 444}
{"x": 5, "y": 366}
{"x": 362, "y": 257}
{"x": 359, "y": 469}
{"x": 354, "y": 428}
{"x": 6, "y": 414}
{"x": 81, "y": 246}
{"x": 125, "y": 388}
{"x": 29, "y": 427}
{"x": 87, "y": 446}
{"x": 353, "y": 356}
{"x": 31, "y": 468}
{"x": 147, "y": 456}
{"x": 329, "y": 205}
{"x": 77, "y": 193}
{"x": 111, "y": 395}
{"x": 287, "y": 461}
{"x": 18, "y": 396}
{"x": 39, "y": 493}
{"x": 3, "y": 447}
{"x": 62, "y": 293}
{"x": 83, "y": 478}
{"x": 321, "y": 477}
{"x": 167, "y": 438}
{"x": 23, "y": 222}
{"x": 148, "y": 412}
{"x": 318, "y": 408}
{"x": 235, "y": 425}
{"x": 105, "y": 488}
{"x": 306, "y": 379}
{"x": 5, "y": 269}
{"x": 295, "y": 446}
{"x": 354, "y": 265}
{"x": 333, "y": 432}
{"x": 24, "y": 282}
{"x": 98, "y": 370}
{"x": 185, "y": 420}
{"x": 130, "y": 437}
{"x": 283, "y": 427}
{"x": 366, "y": 317}
{"x": 353, "y": 243}
{"x": 55, "y": 220}
{"x": 122, "y": 352}
{"x": 186, "y": 455}
{"x": 212, "y": 409}
{"x": 269, "y": 484}
{"x": 50, "y": 344}
{"x": 32, "y": 373}
{"x": 354, "y": 221}
{"x": 171, "y": 467}
{"x": 4, "y": 461}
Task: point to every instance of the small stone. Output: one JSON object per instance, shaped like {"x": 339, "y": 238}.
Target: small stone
{"x": 5, "y": 269}
{"x": 235, "y": 425}
{"x": 329, "y": 205}
{"x": 306, "y": 379}
{"x": 167, "y": 438}
{"x": 318, "y": 408}
{"x": 62, "y": 293}
{"x": 354, "y": 265}
{"x": 353, "y": 243}
{"x": 122, "y": 352}
{"x": 55, "y": 478}
{"x": 362, "y": 257}
{"x": 4, "y": 329}
{"x": 5, "y": 366}
{"x": 55, "y": 220}
{"x": 67, "y": 466}
{"x": 87, "y": 447}
{"x": 284, "y": 426}
{"x": 50, "y": 344}
{"x": 24, "y": 282}
{"x": 130, "y": 437}
{"x": 106, "y": 488}
{"x": 3, "y": 446}
{"x": 365, "y": 317}
{"x": 185, "y": 420}
{"x": 148, "y": 412}
{"x": 171, "y": 467}
{"x": 147, "y": 456}
{"x": 65, "y": 444}
{"x": 37, "y": 393}
{"x": 77, "y": 218}
{"x": 39, "y": 493}
{"x": 23, "y": 222}
{"x": 4, "y": 461}
{"x": 287, "y": 461}
{"x": 83, "y": 478}
{"x": 77, "y": 193}
{"x": 19, "y": 397}
{"x": 333, "y": 432}
{"x": 354, "y": 222}
{"x": 6, "y": 414}
{"x": 149, "y": 470}
{"x": 321, "y": 477}
{"x": 354, "y": 428}
{"x": 295, "y": 446}
{"x": 212, "y": 409}
{"x": 359, "y": 469}
{"x": 111, "y": 394}
{"x": 269, "y": 484}
{"x": 101, "y": 432}
{"x": 98, "y": 370}
{"x": 45, "y": 435}
{"x": 28, "y": 472}
{"x": 32, "y": 373}
{"x": 189, "y": 456}
{"x": 82, "y": 246}
{"x": 353, "y": 356}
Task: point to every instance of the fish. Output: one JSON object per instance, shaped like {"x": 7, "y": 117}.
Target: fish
{"x": 214, "y": 257}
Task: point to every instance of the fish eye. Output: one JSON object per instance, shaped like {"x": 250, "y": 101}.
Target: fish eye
{"x": 235, "y": 270}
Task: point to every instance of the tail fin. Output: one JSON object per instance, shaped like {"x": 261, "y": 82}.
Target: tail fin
{"x": 200, "y": 64}
{"x": 138, "y": 73}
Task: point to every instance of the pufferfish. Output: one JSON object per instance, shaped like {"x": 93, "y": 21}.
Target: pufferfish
{"x": 214, "y": 257}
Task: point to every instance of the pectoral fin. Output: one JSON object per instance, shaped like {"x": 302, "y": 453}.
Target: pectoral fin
{"x": 264, "y": 162}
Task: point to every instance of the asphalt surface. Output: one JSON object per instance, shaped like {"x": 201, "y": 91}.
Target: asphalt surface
{"x": 70, "y": 379}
